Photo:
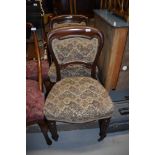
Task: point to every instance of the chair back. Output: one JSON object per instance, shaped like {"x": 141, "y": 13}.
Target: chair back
{"x": 79, "y": 45}
{"x": 68, "y": 20}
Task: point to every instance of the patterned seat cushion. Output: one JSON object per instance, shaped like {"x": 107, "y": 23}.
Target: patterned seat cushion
{"x": 78, "y": 100}
{"x": 70, "y": 71}
{"x": 34, "y": 101}
{"x": 32, "y": 69}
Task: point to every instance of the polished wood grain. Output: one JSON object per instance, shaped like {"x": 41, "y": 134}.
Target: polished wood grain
{"x": 37, "y": 51}
{"x": 119, "y": 40}
{"x": 75, "y": 7}
{"x": 71, "y": 6}
{"x": 37, "y": 54}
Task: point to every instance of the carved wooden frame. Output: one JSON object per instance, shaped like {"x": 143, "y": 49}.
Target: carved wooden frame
{"x": 68, "y": 19}
{"x": 70, "y": 32}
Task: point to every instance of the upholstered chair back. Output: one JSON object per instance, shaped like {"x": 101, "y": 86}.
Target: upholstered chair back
{"x": 80, "y": 45}
{"x": 68, "y": 20}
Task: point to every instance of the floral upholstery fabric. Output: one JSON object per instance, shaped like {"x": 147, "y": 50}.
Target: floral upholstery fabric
{"x": 78, "y": 100}
{"x": 32, "y": 69}
{"x": 75, "y": 49}
{"x": 34, "y": 101}
{"x": 72, "y": 70}
{"x": 59, "y": 25}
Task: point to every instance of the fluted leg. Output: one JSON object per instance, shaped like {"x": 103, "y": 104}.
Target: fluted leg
{"x": 44, "y": 129}
{"x": 103, "y": 125}
{"x": 53, "y": 129}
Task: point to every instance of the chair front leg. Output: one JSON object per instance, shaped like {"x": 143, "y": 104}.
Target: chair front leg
{"x": 44, "y": 129}
{"x": 53, "y": 129}
{"x": 103, "y": 125}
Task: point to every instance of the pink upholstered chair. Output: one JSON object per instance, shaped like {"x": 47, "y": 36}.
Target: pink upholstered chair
{"x": 35, "y": 101}
{"x": 76, "y": 98}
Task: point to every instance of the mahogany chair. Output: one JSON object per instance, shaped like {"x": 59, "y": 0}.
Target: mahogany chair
{"x": 77, "y": 99}
{"x": 67, "y": 20}
{"x": 35, "y": 100}
{"x": 63, "y": 21}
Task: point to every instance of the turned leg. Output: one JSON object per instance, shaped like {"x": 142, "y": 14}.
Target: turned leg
{"x": 103, "y": 125}
{"x": 53, "y": 129}
{"x": 44, "y": 129}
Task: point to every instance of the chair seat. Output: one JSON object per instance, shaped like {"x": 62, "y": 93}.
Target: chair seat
{"x": 32, "y": 69}
{"x": 78, "y": 100}
{"x": 34, "y": 101}
{"x": 70, "y": 71}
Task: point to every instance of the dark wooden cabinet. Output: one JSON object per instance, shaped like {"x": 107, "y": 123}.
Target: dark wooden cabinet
{"x": 114, "y": 59}
{"x": 123, "y": 78}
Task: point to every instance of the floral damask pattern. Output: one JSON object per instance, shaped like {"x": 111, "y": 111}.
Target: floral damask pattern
{"x": 78, "y": 100}
{"x": 70, "y": 71}
{"x": 59, "y": 25}
{"x": 75, "y": 49}
{"x": 32, "y": 69}
{"x": 34, "y": 101}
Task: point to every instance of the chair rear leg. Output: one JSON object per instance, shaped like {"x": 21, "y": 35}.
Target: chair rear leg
{"x": 48, "y": 86}
{"x": 103, "y": 125}
{"x": 44, "y": 129}
{"x": 53, "y": 129}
